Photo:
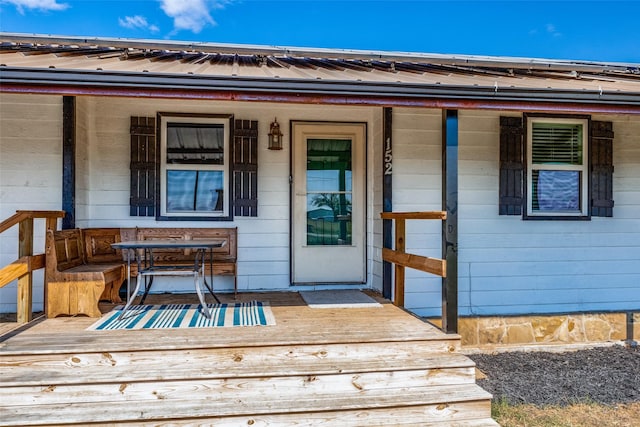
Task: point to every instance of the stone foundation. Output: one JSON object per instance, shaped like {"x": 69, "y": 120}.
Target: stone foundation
{"x": 540, "y": 329}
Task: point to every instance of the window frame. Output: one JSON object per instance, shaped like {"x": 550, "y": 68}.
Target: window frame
{"x": 162, "y": 166}
{"x": 585, "y": 182}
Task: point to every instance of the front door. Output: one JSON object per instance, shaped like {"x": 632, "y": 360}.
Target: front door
{"x": 329, "y": 204}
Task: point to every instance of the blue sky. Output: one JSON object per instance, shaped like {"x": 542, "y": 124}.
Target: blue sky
{"x": 588, "y": 30}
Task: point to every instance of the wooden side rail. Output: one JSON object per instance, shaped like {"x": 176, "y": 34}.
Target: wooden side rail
{"x": 401, "y": 259}
{"x": 75, "y": 286}
{"x": 23, "y": 268}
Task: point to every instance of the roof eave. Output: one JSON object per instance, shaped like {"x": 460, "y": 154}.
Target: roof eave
{"x": 143, "y": 84}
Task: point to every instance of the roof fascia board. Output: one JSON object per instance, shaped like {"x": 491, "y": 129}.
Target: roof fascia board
{"x": 141, "y": 82}
{"x": 443, "y": 59}
{"x": 325, "y": 99}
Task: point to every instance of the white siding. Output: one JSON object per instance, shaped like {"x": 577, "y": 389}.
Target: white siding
{"x": 506, "y": 265}
{"x": 84, "y": 132}
{"x": 263, "y": 242}
{"x": 417, "y": 183}
{"x": 30, "y": 175}
{"x": 511, "y": 266}
{"x": 374, "y": 197}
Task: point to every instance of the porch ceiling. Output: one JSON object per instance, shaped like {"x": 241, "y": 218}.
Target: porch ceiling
{"x": 36, "y": 60}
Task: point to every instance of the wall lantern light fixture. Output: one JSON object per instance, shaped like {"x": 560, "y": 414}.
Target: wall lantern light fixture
{"x": 275, "y": 136}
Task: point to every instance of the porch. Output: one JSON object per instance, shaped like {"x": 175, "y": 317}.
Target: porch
{"x": 331, "y": 366}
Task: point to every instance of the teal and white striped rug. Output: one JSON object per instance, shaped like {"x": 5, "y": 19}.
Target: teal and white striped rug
{"x": 173, "y": 316}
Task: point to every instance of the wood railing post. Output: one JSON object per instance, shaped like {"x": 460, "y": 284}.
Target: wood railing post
{"x": 22, "y": 269}
{"x": 399, "y": 270}
{"x": 52, "y": 224}
{"x": 24, "y": 311}
{"x": 401, "y": 259}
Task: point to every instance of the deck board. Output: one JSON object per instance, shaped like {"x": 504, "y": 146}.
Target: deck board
{"x": 369, "y": 366}
{"x": 296, "y": 324}
{"x": 165, "y": 404}
{"x": 236, "y": 362}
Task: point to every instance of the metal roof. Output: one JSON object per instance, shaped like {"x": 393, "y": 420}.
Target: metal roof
{"x": 57, "y": 60}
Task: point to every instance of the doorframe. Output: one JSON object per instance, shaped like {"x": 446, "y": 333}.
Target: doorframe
{"x": 365, "y": 196}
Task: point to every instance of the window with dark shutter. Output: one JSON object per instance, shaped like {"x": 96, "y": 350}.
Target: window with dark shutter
{"x": 143, "y": 166}
{"x": 195, "y": 167}
{"x": 511, "y": 165}
{"x": 245, "y": 168}
{"x": 601, "y": 169}
{"x": 557, "y": 166}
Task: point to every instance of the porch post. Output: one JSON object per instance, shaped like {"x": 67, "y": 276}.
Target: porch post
{"x": 450, "y": 225}
{"x": 387, "y": 199}
{"x": 69, "y": 161}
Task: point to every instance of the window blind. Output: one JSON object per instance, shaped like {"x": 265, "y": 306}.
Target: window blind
{"x": 557, "y": 143}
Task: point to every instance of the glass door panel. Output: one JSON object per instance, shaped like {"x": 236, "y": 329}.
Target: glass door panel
{"x": 329, "y": 192}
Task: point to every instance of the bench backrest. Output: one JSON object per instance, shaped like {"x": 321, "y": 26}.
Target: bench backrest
{"x": 64, "y": 249}
{"x": 228, "y": 252}
{"x": 97, "y": 245}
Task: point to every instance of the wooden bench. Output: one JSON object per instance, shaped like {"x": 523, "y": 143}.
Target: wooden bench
{"x": 74, "y": 282}
{"x": 224, "y": 258}
{"x": 97, "y": 243}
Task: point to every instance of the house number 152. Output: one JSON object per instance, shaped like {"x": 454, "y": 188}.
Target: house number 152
{"x": 388, "y": 158}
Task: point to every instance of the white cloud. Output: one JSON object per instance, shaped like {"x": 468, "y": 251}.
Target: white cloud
{"x": 137, "y": 22}
{"x": 21, "y": 5}
{"x": 551, "y": 29}
{"x": 192, "y": 15}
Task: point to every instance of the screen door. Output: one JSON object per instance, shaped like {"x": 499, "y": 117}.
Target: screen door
{"x": 329, "y": 203}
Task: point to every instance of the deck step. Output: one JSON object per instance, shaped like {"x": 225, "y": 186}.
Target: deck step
{"x": 241, "y": 362}
{"x": 416, "y": 417}
{"x": 230, "y": 388}
{"x": 313, "y": 368}
{"x": 231, "y": 403}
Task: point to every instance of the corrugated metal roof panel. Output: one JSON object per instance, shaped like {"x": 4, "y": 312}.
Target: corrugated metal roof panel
{"x": 335, "y": 66}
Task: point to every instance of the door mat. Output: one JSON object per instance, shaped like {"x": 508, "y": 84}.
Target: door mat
{"x": 174, "y": 316}
{"x": 338, "y": 299}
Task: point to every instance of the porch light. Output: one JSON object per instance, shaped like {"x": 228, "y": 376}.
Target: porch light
{"x": 275, "y": 136}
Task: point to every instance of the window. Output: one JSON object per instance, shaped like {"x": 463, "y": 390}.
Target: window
{"x": 557, "y": 167}
{"x": 194, "y": 166}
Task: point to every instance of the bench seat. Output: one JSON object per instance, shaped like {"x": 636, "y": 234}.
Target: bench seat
{"x": 73, "y": 285}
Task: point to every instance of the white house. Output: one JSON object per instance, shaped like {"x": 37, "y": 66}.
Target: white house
{"x": 541, "y": 179}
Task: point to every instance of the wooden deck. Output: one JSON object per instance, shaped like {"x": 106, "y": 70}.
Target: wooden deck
{"x": 342, "y": 367}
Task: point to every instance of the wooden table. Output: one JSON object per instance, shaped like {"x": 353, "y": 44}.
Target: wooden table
{"x": 142, "y": 252}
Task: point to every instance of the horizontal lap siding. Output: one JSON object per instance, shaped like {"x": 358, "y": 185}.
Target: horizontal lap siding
{"x": 417, "y": 153}
{"x": 374, "y": 196}
{"x": 263, "y": 241}
{"x": 507, "y": 265}
{"x": 83, "y": 173}
{"x": 30, "y": 175}
{"x": 511, "y": 266}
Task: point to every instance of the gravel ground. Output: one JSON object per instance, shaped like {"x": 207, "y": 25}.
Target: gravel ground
{"x": 605, "y": 375}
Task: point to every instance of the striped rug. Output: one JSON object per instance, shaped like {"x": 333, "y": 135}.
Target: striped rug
{"x": 173, "y": 316}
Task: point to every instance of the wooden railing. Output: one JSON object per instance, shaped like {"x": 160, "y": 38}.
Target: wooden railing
{"x": 23, "y": 268}
{"x": 401, "y": 259}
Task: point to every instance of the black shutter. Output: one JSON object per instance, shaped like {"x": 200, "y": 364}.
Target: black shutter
{"x": 245, "y": 168}
{"x": 143, "y": 166}
{"x": 601, "y": 168}
{"x": 511, "y": 165}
